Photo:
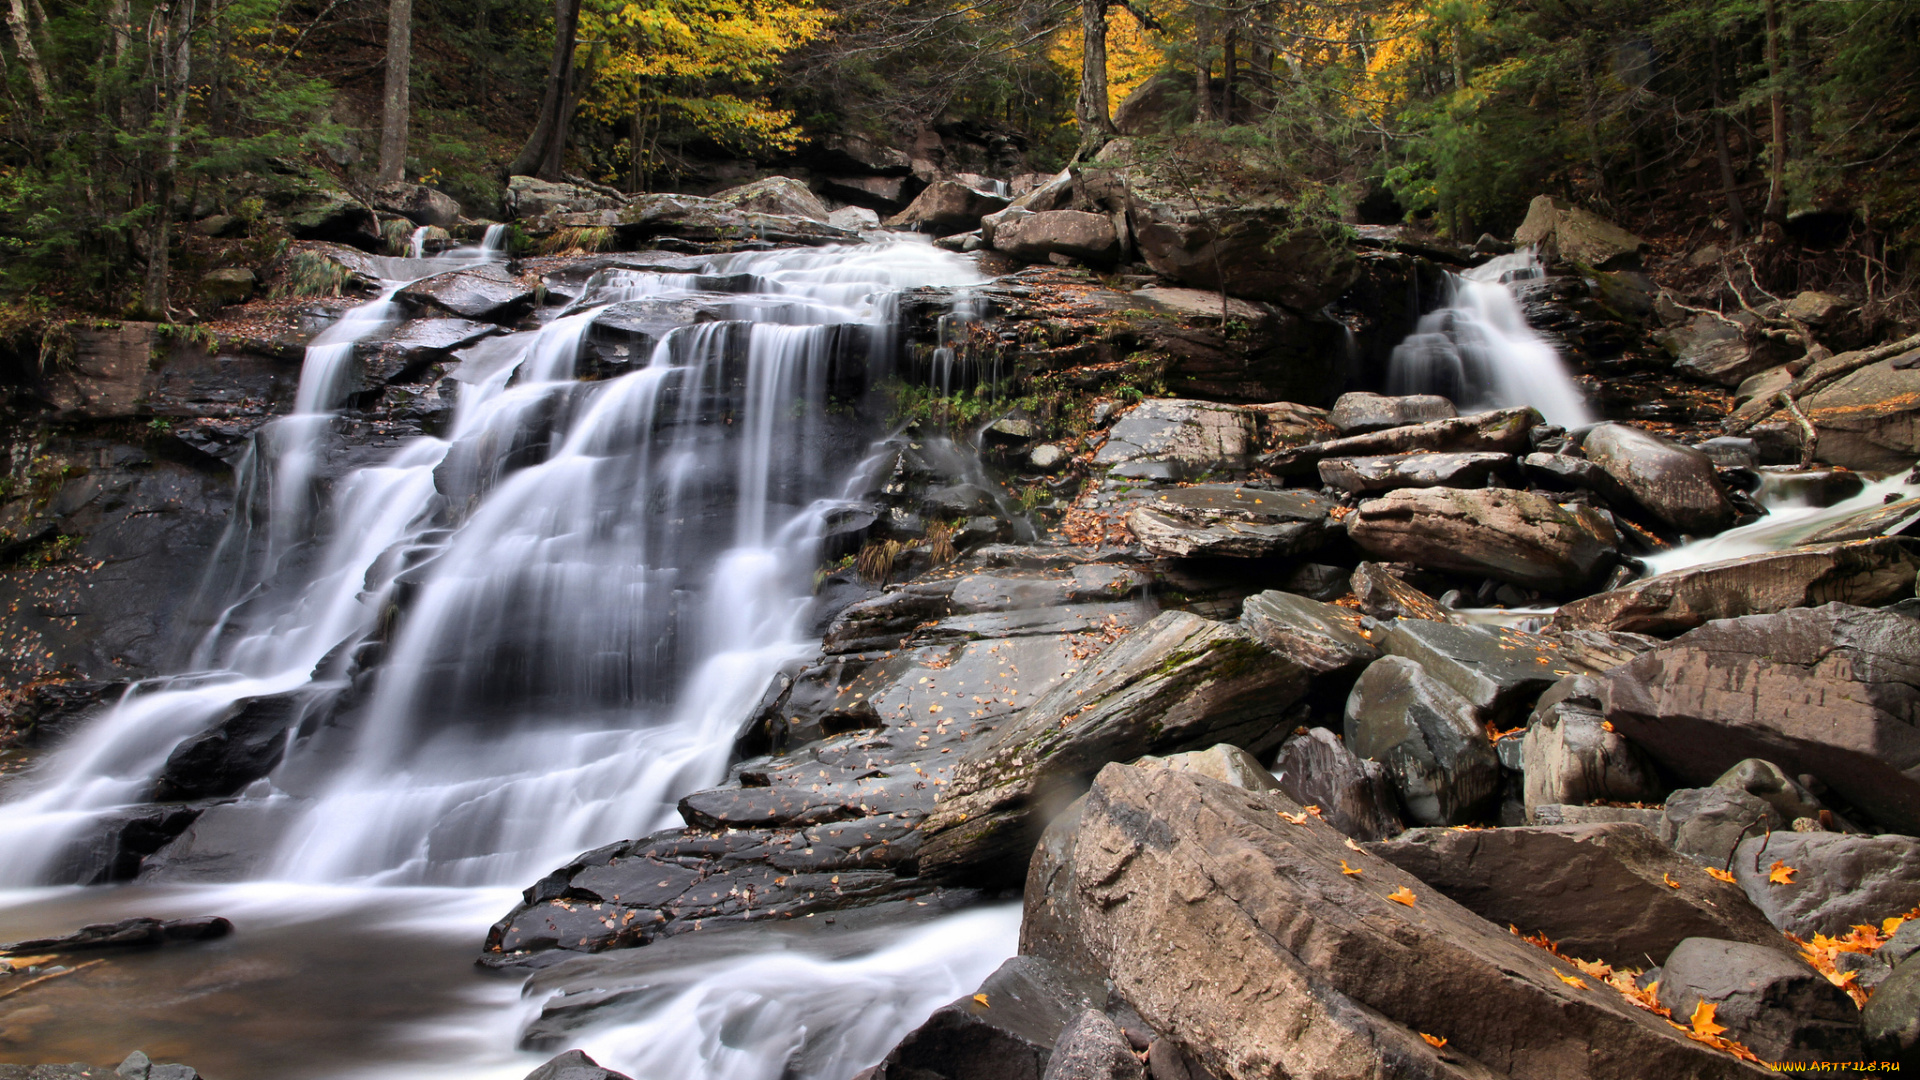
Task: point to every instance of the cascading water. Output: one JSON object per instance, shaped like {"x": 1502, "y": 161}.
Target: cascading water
{"x": 528, "y": 637}
{"x": 1478, "y": 350}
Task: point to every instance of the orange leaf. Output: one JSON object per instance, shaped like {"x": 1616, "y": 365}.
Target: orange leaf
{"x": 1607, "y": 725}
{"x": 1315, "y": 811}
{"x": 1345, "y": 869}
{"x": 1401, "y": 895}
{"x": 1703, "y": 1019}
{"x": 1433, "y": 1042}
{"x": 1718, "y": 874}
{"x": 1577, "y": 984}
{"x": 1780, "y": 873}
{"x": 1351, "y": 846}
{"x": 1671, "y": 884}
{"x": 1295, "y": 819}
{"x": 982, "y": 999}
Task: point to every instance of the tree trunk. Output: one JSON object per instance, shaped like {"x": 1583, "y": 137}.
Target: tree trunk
{"x": 1202, "y": 73}
{"x": 29, "y": 55}
{"x": 1228, "y": 61}
{"x": 176, "y": 72}
{"x": 1090, "y": 108}
{"x": 1736, "y": 211}
{"x": 547, "y": 145}
{"x": 393, "y": 118}
{"x": 1776, "y": 209}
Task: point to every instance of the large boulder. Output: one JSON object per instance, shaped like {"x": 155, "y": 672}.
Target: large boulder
{"x": 776, "y": 195}
{"x": 1864, "y": 572}
{"x": 1383, "y": 594}
{"x": 529, "y": 197}
{"x": 1005, "y": 1032}
{"x": 1770, "y": 1002}
{"x": 417, "y": 203}
{"x": 1094, "y": 1048}
{"x": 1432, "y": 741}
{"x": 1829, "y": 691}
{"x": 1367, "y": 475}
{"x": 1075, "y": 234}
{"x": 947, "y": 207}
{"x": 1174, "y": 439}
{"x": 1571, "y": 756}
{"x": 1609, "y": 892}
{"x": 1360, "y": 412}
{"x": 1504, "y": 431}
{"x": 1891, "y": 1021}
{"x": 1227, "y": 520}
{"x": 1835, "y": 881}
{"x": 1234, "y": 932}
{"x": 1512, "y": 536}
{"x": 1325, "y": 637}
{"x": 1677, "y": 484}
{"x": 1501, "y": 671}
{"x": 1178, "y": 683}
{"x": 1578, "y": 235}
{"x": 485, "y": 292}
{"x": 1253, "y": 252}
{"x": 1354, "y": 795}
{"x": 1707, "y": 824}
{"x": 574, "y": 1065}
{"x": 239, "y": 748}
{"x": 1866, "y": 420}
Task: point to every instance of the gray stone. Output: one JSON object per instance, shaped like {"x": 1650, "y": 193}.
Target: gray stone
{"x": 1769, "y": 1001}
{"x": 1570, "y": 757}
{"x": 1677, "y": 484}
{"x": 1578, "y": 235}
{"x": 1370, "y": 474}
{"x": 1089, "y": 238}
{"x": 417, "y": 203}
{"x": 1048, "y": 457}
{"x": 1839, "y": 880}
{"x": 1504, "y": 431}
{"x": 1562, "y": 814}
{"x": 1179, "y": 440}
{"x": 487, "y": 292}
{"x": 1325, "y": 637}
{"x": 1432, "y": 741}
{"x": 1384, "y": 595}
{"x": 1012, "y": 1036}
{"x": 528, "y": 198}
{"x": 947, "y": 207}
{"x": 777, "y": 195}
{"x": 574, "y": 1065}
{"x": 1230, "y": 521}
{"x": 1512, "y": 536}
{"x": 1354, "y": 795}
{"x": 1890, "y": 1024}
{"x": 1359, "y": 412}
{"x": 1197, "y": 304}
{"x": 1866, "y": 420}
{"x": 1093, "y": 1048}
{"x": 1768, "y": 782}
{"x": 1709, "y": 823}
{"x": 1501, "y": 671}
{"x": 854, "y": 218}
{"x": 1223, "y": 762}
{"x": 228, "y": 285}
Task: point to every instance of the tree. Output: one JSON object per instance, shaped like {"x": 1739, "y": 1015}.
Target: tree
{"x": 545, "y": 151}
{"x": 393, "y": 119}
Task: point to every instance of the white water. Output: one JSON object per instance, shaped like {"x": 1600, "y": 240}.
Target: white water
{"x": 1478, "y": 350}
{"x": 1790, "y": 520}
{"x": 599, "y": 580}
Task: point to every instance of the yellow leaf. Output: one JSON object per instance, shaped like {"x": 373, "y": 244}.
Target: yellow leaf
{"x": 1296, "y": 819}
{"x": 1345, "y": 869}
{"x": 982, "y": 999}
{"x": 1780, "y": 873}
{"x": 1433, "y": 1042}
{"x": 1576, "y": 983}
{"x": 1718, "y": 874}
{"x": 1891, "y": 926}
{"x": 1351, "y": 846}
{"x": 1703, "y": 1019}
{"x": 1668, "y": 878}
{"x": 1402, "y": 895}
{"x": 1607, "y": 725}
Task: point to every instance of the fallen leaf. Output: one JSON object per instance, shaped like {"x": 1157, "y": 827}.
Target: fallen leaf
{"x": 1780, "y": 873}
{"x": 1433, "y": 1042}
{"x": 1315, "y": 811}
{"x": 1576, "y": 983}
{"x": 1606, "y": 725}
{"x": 982, "y": 999}
{"x": 1402, "y": 895}
{"x": 1296, "y": 819}
{"x": 1718, "y": 874}
{"x": 1668, "y": 878}
{"x": 1703, "y": 1019}
{"x": 1351, "y": 846}
{"x": 1345, "y": 869}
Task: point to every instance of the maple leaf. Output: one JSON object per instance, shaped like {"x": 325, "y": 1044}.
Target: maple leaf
{"x": 1703, "y": 1019}
{"x": 1351, "y": 846}
{"x": 1606, "y": 725}
{"x": 1402, "y": 895}
{"x": 1780, "y": 873}
{"x": 1718, "y": 874}
{"x": 1315, "y": 811}
{"x": 1576, "y": 983}
{"x": 1433, "y": 1042}
{"x": 1295, "y": 819}
{"x": 1345, "y": 869}
{"x": 1668, "y": 878}
{"x": 982, "y": 999}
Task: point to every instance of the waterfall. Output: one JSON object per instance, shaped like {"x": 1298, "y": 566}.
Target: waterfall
{"x": 1478, "y": 350}
{"x": 417, "y": 243}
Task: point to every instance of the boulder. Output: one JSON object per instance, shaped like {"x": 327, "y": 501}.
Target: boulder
{"x": 417, "y": 203}
{"x": 1359, "y": 412}
{"x": 238, "y": 749}
{"x": 1563, "y": 814}
{"x": 1324, "y": 637}
{"x": 1178, "y": 683}
{"x": 1707, "y": 824}
{"x": 776, "y": 195}
{"x": 137, "y": 933}
{"x": 227, "y": 285}
{"x": 1195, "y": 304}
{"x": 107, "y": 377}
{"x": 1010, "y": 1035}
{"x": 1501, "y": 671}
{"x": 528, "y": 198}
{"x": 1839, "y": 880}
{"x": 1677, "y": 484}
{"x": 1262, "y": 252}
{"x": 1222, "y": 761}
{"x": 1866, "y": 420}
{"x": 853, "y": 218}
{"x": 1076, "y": 234}
{"x": 1829, "y": 691}
{"x": 1571, "y": 757}
{"x": 701, "y": 221}
{"x": 574, "y": 1065}
{"x": 1864, "y": 572}
{"x": 1577, "y": 235}
{"x": 1053, "y": 193}
{"x": 1890, "y": 1024}
{"x": 1512, "y": 536}
{"x": 1231, "y": 521}
{"x": 1235, "y": 934}
{"x": 314, "y": 212}
{"x": 1383, "y": 594}
{"x": 1770, "y": 784}
{"x": 137, "y": 1066}
{"x": 1505, "y": 431}
{"x": 1173, "y": 439}
{"x": 1769, "y": 1001}
{"x": 1093, "y": 1048}
{"x": 1354, "y": 795}
{"x": 486, "y": 292}
{"x": 882, "y": 195}
{"x": 947, "y": 207}
{"x": 1432, "y": 741}
{"x": 1371, "y": 474}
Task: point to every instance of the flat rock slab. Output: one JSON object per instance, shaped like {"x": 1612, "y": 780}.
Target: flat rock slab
{"x": 484, "y": 292}
{"x": 1028, "y": 1004}
{"x": 1867, "y": 572}
{"x": 1833, "y": 691}
{"x": 1512, "y": 536}
{"x": 1324, "y": 637}
{"x": 1231, "y": 521}
{"x": 1504, "y": 431}
{"x": 1499, "y": 669}
{"x": 1173, "y": 439}
{"x": 1840, "y": 881}
{"x": 127, "y": 933}
{"x": 1600, "y": 891}
{"x": 1867, "y": 420}
{"x": 1370, "y": 474}
{"x": 436, "y": 338}
{"x": 1235, "y": 932}
{"x": 1360, "y": 413}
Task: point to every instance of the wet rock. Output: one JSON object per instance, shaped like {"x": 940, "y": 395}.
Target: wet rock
{"x": 126, "y": 934}
{"x": 1171, "y": 439}
{"x": 1223, "y": 762}
{"x": 1505, "y": 431}
{"x": 1571, "y": 757}
{"x": 485, "y": 292}
{"x": 1432, "y": 741}
{"x": 1093, "y": 1047}
{"x": 1864, "y": 572}
{"x": 1172, "y": 886}
{"x": 1501, "y": 671}
{"x": 107, "y": 377}
{"x": 1828, "y": 691}
{"x": 1177, "y": 683}
{"x": 1769, "y": 1001}
{"x": 1839, "y": 880}
{"x": 1360, "y": 413}
{"x": 1890, "y": 1024}
{"x": 1262, "y": 253}
{"x": 1512, "y": 536}
{"x": 434, "y": 339}
{"x": 1677, "y": 484}
{"x": 1866, "y": 419}
{"x": 1324, "y": 637}
{"x": 1354, "y": 795}
{"x": 1231, "y": 521}
{"x": 853, "y": 218}
{"x": 1578, "y": 235}
{"x": 1197, "y": 304}
{"x": 1029, "y": 1004}
{"x": 777, "y": 195}
{"x": 417, "y": 203}
{"x": 1383, "y": 594}
{"x": 1709, "y": 823}
{"x": 692, "y": 223}
{"x": 1884, "y": 520}
{"x": 1076, "y": 234}
{"x": 1371, "y": 474}
{"x": 1599, "y": 891}
{"x": 1726, "y": 358}
{"x": 238, "y": 749}
{"x": 1564, "y": 472}
{"x": 574, "y": 1065}
{"x": 947, "y": 207}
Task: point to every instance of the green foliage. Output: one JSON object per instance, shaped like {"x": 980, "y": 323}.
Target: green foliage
{"x": 307, "y": 273}
{"x": 581, "y": 240}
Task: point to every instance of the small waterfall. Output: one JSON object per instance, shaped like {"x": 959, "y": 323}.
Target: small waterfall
{"x": 952, "y": 370}
{"x": 1479, "y": 351}
{"x": 417, "y": 243}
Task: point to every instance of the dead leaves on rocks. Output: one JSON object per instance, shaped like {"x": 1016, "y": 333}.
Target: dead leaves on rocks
{"x": 1823, "y": 952}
